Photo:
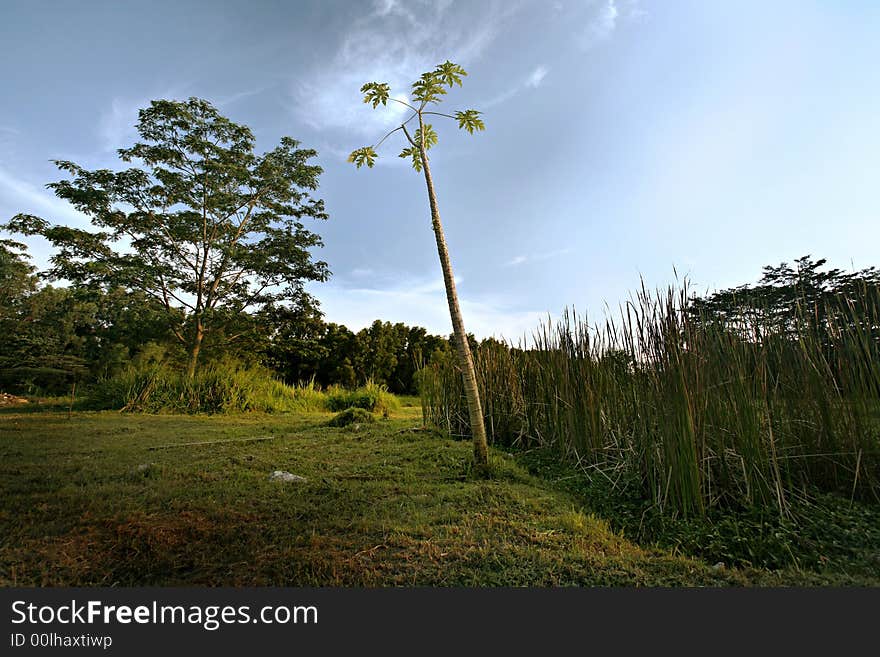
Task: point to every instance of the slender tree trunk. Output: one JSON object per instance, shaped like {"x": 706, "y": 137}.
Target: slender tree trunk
{"x": 195, "y": 348}
{"x": 462, "y": 348}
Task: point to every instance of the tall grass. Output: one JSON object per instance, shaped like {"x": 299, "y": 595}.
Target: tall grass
{"x": 372, "y": 397}
{"x": 222, "y": 387}
{"x": 699, "y": 410}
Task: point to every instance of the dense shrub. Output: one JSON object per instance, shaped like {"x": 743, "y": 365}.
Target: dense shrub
{"x": 353, "y": 415}
{"x": 371, "y": 397}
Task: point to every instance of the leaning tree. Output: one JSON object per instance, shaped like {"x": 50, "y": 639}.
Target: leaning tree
{"x": 428, "y": 91}
{"x": 202, "y": 223}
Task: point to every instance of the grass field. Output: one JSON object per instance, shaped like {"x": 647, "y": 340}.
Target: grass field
{"x": 114, "y": 499}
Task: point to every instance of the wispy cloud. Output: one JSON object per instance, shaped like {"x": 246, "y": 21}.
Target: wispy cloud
{"x": 422, "y": 302}
{"x": 393, "y": 43}
{"x": 532, "y": 81}
{"x": 116, "y": 124}
{"x": 536, "y": 257}
{"x": 632, "y": 10}
{"x": 537, "y": 77}
{"x": 8, "y": 137}
{"x": 601, "y": 24}
{"x": 17, "y": 195}
{"x": 225, "y": 101}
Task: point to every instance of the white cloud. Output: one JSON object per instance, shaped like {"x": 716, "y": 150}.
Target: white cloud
{"x": 632, "y": 10}
{"x": 537, "y": 77}
{"x": 241, "y": 95}
{"x": 502, "y": 97}
{"x": 532, "y": 81}
{"x": 536, "y": 257}
{"x": 395, "y": 43}
{"x": 601, "y": 26}
{"x": 116, "y": 124}
{"x": 21, "y": 196}
{"x": 422, "y": 302}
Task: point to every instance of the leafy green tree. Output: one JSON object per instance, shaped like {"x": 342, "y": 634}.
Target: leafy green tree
{"x": 426, "y": 92}
{"x": 17, "y": 278}
{"x": 212, "y": 229}
{"x": 803, "y": 300}
{"x": 342, "y": 353}
{"x": 420, "y": 347}
{"x": 124, "y": 323}
{"x": 296, "y": 346}
{"x": 788, "y": 296}
{"x": 45, "y": 348}
{"x": 382, "y": 345}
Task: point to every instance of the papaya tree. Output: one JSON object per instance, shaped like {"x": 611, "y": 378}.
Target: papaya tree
{"x": 427, "y": 92}
{"x": 202, "y": 224}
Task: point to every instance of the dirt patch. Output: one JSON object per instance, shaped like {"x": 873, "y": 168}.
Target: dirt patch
{"x": 11, "y": 400}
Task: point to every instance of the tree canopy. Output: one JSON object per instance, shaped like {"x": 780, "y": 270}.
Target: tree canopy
{"x": 201, "y": 223}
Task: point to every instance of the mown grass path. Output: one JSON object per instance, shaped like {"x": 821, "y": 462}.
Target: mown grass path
{"x": 85, "y": 501}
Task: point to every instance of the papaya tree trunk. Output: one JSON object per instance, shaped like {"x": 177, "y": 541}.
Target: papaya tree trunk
{"x": 462, "y": 348}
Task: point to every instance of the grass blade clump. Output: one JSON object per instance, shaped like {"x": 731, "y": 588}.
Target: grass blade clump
{"x": 222, "y": 387}
{"x": 703, "y": 409}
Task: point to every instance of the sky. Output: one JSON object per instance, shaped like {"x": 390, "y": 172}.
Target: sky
{"x": 626, "y": 140}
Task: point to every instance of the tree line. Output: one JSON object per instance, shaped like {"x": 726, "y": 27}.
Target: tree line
{"x": 55, "y": 336}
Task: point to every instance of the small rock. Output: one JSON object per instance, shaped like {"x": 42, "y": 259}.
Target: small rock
{"x": 718, "y": 566}
{"x": 281, "y": 475}
{"x": 143, "y": 467}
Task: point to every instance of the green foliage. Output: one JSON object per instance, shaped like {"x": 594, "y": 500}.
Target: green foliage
{"x": 222, "y": 387}
{"x": 353, "y": 415}
{"x": 213, "y": 228}
{"x": 686, "y": 403}
{"x": 413, "y": 153}
{"x": 17, "y": 277}
{"x": 44, "y": 348}
{"x": 428, "y": 89}
{"x": 449, "y": 73}
{"x": 470, "y": 120}
{"x": 375, "y": 93}
{"x": 426, "y": 136}
{"x": 822, "y": 532}
{"x": 430, "y": 86}
{"x": 56, "y": 337}
{"x": 304, "y": 348}
{"x": 361, "y": 156}
{"x": 371, "y": 397}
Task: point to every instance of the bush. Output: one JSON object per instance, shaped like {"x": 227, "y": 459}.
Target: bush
{"x": 222, "y": 387}
{"x": 370, "y": 397}
{"x": 353, "y": 415}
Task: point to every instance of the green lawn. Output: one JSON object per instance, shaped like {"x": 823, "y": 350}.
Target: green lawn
{"x": 85, "y": 501}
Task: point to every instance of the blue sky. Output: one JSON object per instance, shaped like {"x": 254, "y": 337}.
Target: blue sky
{"x": 625, "y": 138}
